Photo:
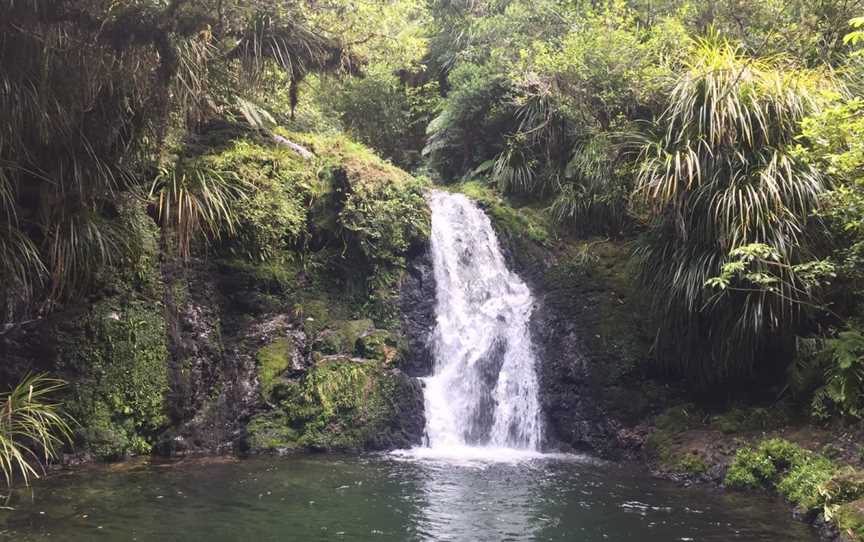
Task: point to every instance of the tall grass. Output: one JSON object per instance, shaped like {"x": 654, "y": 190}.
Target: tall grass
{"x": 33, "y": 429}
{"x": 196, "y": 202}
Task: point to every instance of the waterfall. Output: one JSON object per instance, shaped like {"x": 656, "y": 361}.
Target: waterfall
{"x": 483, "y": 390}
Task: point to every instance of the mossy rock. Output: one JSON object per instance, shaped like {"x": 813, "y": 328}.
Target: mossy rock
{"x": 116, "y": 360}
{"x": 341, "y": 336}
{"x": 849, "y": 519}
{"x": 272, "y": 432}
{"x": 379, "y": 345}
{"x": 340, "y": 404}
{"x": 273, "y": 360}
{"x": 741, "y": 420}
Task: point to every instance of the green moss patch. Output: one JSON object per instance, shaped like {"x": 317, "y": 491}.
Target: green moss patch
{"x": 273, "y": 360}
{"x": 340, "y": 404}
{"x": 528, "y": 221}
{"x": 334, "y": 229}
{"x": 379, "y": 345}
{"x": 342, "y": 335}
{"x": 116, "y": 359}
{"x": 805, "y": 478}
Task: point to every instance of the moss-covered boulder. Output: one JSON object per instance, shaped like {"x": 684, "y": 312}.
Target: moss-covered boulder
{"x": 342, "y": 404}
{"x": 274, "y": 360}
{"x": 114, "y": 351}
{"x": 379, "y": 345}
{"x": 272, "y": 432}
{"x": 341, "y": 336}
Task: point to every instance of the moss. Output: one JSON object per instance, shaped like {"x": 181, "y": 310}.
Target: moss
{"x": 340, "y": 404}
{"x": 662, "y": 442}
{"x": 691, "y": 463}
{"x": 680, "y": 418}
{"x": 135, "y": 268}
{"x": 273, "y": 360}
{"x": 341, "y": 336}
{"x": 116, "y": 358}
{"x": 315, "y": 314}
{"x": 378, "y": 345}
{"x": 740, "y": 420}
{"x": 342, "y": 222}
{"x": 271, "y": 431}
{"x": 529, "y": 221}
{"x": 849, "y": 519}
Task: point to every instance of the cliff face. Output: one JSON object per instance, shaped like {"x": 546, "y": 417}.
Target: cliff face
{"x": 289, "y": 334}
{"x": 304, "y": 330}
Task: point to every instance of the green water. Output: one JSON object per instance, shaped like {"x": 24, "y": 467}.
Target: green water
{"x": 382, "y": 498}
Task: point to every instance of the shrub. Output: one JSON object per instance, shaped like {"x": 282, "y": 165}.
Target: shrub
{"x": 750, "y": 469}
{"x": 798, "y": 474}
{"x": 709, "y": 186}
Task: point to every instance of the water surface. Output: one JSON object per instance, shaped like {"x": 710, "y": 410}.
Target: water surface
{"x": 387, "y": 498}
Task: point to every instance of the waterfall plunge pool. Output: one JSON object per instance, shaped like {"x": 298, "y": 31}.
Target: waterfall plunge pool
{"x": 395, "y": 497}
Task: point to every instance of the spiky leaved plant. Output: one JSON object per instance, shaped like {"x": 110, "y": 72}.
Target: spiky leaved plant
{"x": 718, "y": 174}
{"x": 33, "y": 428}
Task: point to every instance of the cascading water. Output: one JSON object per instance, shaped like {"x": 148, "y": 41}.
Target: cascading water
{"x": 483, "y": 390}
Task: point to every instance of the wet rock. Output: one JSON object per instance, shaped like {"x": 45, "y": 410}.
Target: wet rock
{"x": 589, "y": 341}
{"x": 417, "y": 311}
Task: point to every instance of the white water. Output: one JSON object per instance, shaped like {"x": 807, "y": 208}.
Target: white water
{"x": 481, "y": 400}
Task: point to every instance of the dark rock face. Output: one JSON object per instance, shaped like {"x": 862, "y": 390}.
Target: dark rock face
{"x": 586, "y": 329}
{"x": 215, "y": 343}
{"x": 213, "y": 378}
{"x": 417, "y": 307}
{"x": 406, "y": 428}
{"x": 568, "y": 387}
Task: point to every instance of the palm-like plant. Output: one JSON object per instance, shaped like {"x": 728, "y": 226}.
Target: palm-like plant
{"x": 196, "y": 201}
{"x": 32, "y": 428}
{"x": 718, "y": 175}
{"x": 536, "y": 153}
{"x": 594, "y": 196}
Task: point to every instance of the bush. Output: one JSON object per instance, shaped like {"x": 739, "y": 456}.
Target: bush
{"x": 798, "y": 474}
{"x": 750, "y": 469}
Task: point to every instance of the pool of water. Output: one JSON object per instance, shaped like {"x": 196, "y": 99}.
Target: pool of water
{"x": 384, "y": 498}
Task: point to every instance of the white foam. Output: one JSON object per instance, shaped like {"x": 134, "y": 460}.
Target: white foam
{"x": 483, "y": 456}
